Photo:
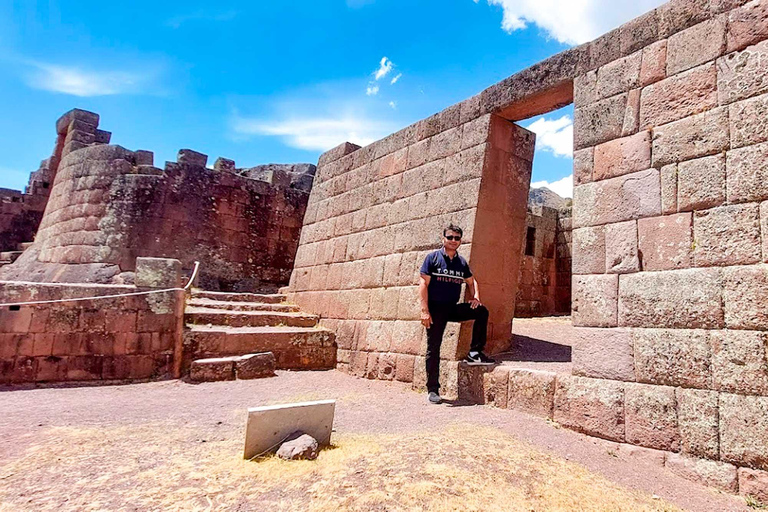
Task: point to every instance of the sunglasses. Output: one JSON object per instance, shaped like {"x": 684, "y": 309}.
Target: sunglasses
{"x": 451, "y": 237}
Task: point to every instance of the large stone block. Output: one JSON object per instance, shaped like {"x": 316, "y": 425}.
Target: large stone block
{"x": 701, "y": 43}
{"x": 639, "y": 32}
{"x": 599, "y": 122}
{"x": 622, "y": 156}
{"x": 583, "y": 164}
{"x": 748, "y": 173}
{"x": 673, "y": 357}
{"x": 654, "y": 65}
{"x": 749, "y": 123}
{"x": 741, "y": 75}
{"x": 697, "y": 415}
{"x": 678, "y": 15}
{"x": 740, "y": 361}
{"x": 621, "y": 250}
{"x": 669, "y": 189}
{"x": 255, "y": 366}
{"x": 683, "y": 299}
{"x": 747, "y": 25}
{"x": 728, "y": 235}
{"x": 158, "y": 273}
{"x": 595, "y": 300}
{"x": 764, "y": 228}
{"x": 665, "y": 243}
{"x": 701, "y": 183}
{"x": 707, "y": 472}
{"x": 531, "y": 391}
{"x": 603, "y": 354}
{"x": 744, "y": 430}
{"x": 651, "y": 416}
{"x": 619, "y": 76}
{"x": 753, "y": 482}
{"x": 745, "y": 293}
{"x": 627, "y": 197}
{"x": 495, "y": 387}
{"x": 589, "y": 250}
{"x": 592, "y": 406}
{"x": 692, "y": 137}
{"x": 678, "y": 96}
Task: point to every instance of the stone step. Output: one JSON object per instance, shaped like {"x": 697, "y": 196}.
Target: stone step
{"x": 10, "y": 256}
{"x": 295, "y": 348}
{"x": 239, "y": 297}
{"x": 24, "y": 246}
{"x": 246, "y": 367}
{"x": 209, "y": 316}
{"x": 225, "y": 305}
{"x": 4, "y": 263}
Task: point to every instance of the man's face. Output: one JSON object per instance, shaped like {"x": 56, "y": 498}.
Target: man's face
{"x": 453, "y": 242}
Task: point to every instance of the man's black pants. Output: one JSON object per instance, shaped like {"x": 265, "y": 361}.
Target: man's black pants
{"x": 443, "y": 313}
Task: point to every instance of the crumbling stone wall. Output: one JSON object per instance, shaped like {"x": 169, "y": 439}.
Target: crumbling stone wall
{"x": 375, "y": 212}
{"x": 109, "y": 205}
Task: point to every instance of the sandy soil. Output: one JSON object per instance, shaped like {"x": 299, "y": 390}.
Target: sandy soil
{"x": 177, "y": 446}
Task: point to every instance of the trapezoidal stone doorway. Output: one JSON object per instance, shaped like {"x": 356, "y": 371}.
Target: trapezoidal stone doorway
{"x": 374, "y": 214}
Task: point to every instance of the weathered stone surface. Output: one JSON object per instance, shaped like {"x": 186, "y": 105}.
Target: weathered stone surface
{"x": 701, "y": 183}
{"x": 591, "y": 406}
{"x": 255, "y": 366}
{"x": 666, "y": 243}
{"x": 211, "y": 370}
{"x": 747, "y": 25}
{"x": 583, "y": 163}
{"x": 585, "y": 89}
{"x": 603, "y": 354}
{"x": 599, "y": 122}
{"x": 299, "y": 446}
{"x": 622, "y": 156}
{"x": 621, "y": 252}
{"x": 707, "y": 472}
{"x": 728, "y": 235}
{"x": 595, "y": 300}
{"x": 532, "y": 391}
{"x": 640, "y": 453}
{"x": 589, "y": 250}
{"x": 679, "y": 96}
{"x": 651, "y": 416}
{"x": 699, "y": 135}
{"x": 741, "y": 75}
{"x": 753, "y": 482}
{"x": 697, "y": 415}
{"x": 684, "y": 299}
{"x": 747, "y": 170}
{"x": 745, "y": 294}
{"x": 639, "y": 32}
{"x": 654, "y": 65}
{"x": 619, "y": 76}
{"x": 678, "y": 15}
{"x": 631, "y": 114}
{"x": 627, "y": 197}
{"x": 495, "y": 387}
{"x": 673, "y": 357}
{"x": 749, "y": 122}
{"x": 158, "y": 273}
{"x": 701, "y": 43}
{"x": 740, "y": 361}
{"x": 764, "y": 228}
{"x": 669, "y": 189}
{"x": 744, "y": 430}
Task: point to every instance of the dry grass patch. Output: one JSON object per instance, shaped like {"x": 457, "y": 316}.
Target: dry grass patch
{"x": 164, "y": 467}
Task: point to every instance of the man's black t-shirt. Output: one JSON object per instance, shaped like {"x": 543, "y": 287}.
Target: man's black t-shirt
{"x": 446, "y": 275}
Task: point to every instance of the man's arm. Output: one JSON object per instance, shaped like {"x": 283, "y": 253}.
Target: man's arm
{"x": 474, "y": 291}
{"x": 426, "y": 318}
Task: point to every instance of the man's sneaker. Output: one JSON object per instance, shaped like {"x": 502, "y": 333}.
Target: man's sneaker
{"x": 478, "y": 358}
{"x": 434, "y": 398}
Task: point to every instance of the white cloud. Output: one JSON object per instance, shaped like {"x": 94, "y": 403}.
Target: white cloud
{"x": 393, "y": 104}
{"x": 316, "y": 133}
{"x": 554, "y": 135}
{"x": 84, "y": 82}
{"x": 372, "y": 89}
{"x": 562, "y": 187}
{"x": 385, "y": 66}
{"x": 396, "y": 78}
{"x": 571, "y": 21}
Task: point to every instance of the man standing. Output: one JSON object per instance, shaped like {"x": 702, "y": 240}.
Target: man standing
{"x": 442, "y": 275}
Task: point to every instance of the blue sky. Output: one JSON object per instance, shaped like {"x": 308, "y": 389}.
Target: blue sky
{"x": 274, "y": 81}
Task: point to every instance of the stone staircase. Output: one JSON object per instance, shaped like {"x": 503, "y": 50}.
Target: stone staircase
{"x": 8, "y": 257}
{"x": 234, "y": 324}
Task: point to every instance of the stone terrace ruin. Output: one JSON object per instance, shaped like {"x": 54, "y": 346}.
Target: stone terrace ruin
{"x": 670, "y": 241}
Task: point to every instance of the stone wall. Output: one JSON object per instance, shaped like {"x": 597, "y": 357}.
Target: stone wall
{"x": 102, "y": 339}
{"x": 109, "y": 205}
{"x": 375, "y": 212}
{"x": 670, "y": 238}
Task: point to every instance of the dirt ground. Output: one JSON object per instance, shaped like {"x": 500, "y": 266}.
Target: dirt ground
{"x": 176, "y": 446}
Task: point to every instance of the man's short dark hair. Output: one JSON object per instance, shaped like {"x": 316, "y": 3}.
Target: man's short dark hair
{"x": 454, "y": 228}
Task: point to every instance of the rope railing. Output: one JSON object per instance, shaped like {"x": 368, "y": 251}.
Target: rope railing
{"x": 114, "y": 296}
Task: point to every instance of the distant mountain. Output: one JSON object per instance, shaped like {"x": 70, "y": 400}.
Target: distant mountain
{"x": 545, "y": 197}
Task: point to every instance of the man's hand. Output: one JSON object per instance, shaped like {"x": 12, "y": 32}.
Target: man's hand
{"x": 426, "y": 319}
{"x": 474, "y": 303}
